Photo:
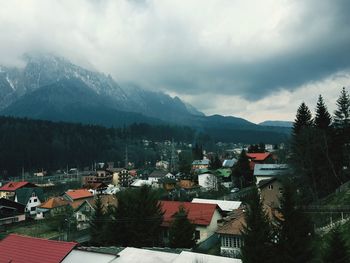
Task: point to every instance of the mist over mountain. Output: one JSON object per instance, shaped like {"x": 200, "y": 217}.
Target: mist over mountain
{"x": 288, "y": 124}
{"x": 52, "y": 88}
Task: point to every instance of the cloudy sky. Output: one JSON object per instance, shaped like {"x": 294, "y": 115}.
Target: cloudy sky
{"x": 249, "y": 58}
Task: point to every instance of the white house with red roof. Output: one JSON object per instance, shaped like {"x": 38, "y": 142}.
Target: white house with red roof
{"x": 23, "y": 249}
{"x": 8, "y": 190}
{"x": 204, "y": 216}
{"x": 256, "y": 158}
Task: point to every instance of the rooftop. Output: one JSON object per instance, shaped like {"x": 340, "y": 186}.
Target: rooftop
{"x": 13, "y": 186}
{"x": 23, "y": 249}
{"x": 199, "y": 214}
{"x": 54, "y": 202}
{"x": 223, "y": 204}
{"x": 258, "y": 156}
{"x": 79, "y": 194}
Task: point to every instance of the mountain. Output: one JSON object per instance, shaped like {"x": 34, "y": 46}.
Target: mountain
{"x": 287, "y": 124}
{"x": 52, "y": 88}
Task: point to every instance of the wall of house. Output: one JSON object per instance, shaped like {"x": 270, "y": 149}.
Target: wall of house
{"x": 33, "y": 202}
{"x": 271, "y": 193}
{"x": 208, "y": 181}
{"x": 12, "y": 219}
{"x": 230, "y": 245}
{"x": 207, "y": 231}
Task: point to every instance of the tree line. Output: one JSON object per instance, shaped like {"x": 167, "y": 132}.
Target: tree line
{"x": 35, "y": 144}
{"x": 320, "y": 147}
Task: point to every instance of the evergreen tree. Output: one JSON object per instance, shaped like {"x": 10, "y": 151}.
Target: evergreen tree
{"x": 215, "y": 163}
{"x": 322, "y": 119}
{"x": 337, "y": 250}
{"x": 97, "y": 223}
{"x": 182, "y": 231}
{"x": 257, "y": 234}
{"x": 137, "y": 219}
{"x": 241, "y": 172}
{"x": 296, "y": 230}
{"x": 342, "y": 113}
{"x": 303, "y": 119}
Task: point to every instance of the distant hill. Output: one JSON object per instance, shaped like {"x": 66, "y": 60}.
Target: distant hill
{"x": 52, "y": 88}
{"x": 288, "y": 124}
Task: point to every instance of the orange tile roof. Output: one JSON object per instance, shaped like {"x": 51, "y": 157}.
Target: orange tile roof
{"x": 79, "y": 194}
{"x": 13, "y": 186}
{"x": 258, "y": 156}
{"x": 54, "y": 202}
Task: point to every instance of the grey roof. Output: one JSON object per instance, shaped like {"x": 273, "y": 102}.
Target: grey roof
{"x": 158, "y": 174}
{"x": 201, "y": 162}
{"x": 24, "y": 194}
{"x": 271, "y": 169}
{"x": 229, "y": 163}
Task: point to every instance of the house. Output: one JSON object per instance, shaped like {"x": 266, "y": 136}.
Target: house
{"x": 8, "y": 190}
{"x": 99, "y": 176}
{"x": 208, "y": 181}
{"x": 156, "y": 175}
{"x": 84, "y": 210}
{"x": 204, "y": 216}
{"x": 140, "y": 182}
{"x": 52, "y": 207}
{"x": 271, "y": 191}
{"x": 200, "y": 164}
{"x": 79, "y": 194}
{"x": 230, "y": 234}
{"x": 23, "y": 249}
{"x": 268, "y": 171}
{"x": 230, "y": 230}
{"x": 115, "y": 174}
{"x": 224, "y": 205}
{"x": 96, "y": 188}
{"x": 256, "y": 158}
{"x": 167, "y": 184}
{"x": 188, "y": 186}
{"x": 11, "y": 212}
{"x": 30, "y": 197}
{"x": 162, "y": 165}
{"x": 124, "y": 178}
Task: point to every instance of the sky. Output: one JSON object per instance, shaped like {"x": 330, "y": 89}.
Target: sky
{"x": 248, "y": 58}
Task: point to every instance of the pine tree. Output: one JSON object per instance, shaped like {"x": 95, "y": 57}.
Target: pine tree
{"x": 97, "y": 222}
{"x": 342, "y": 113}
{"x": 336, "y": 251}
{"x": 182, "y": 231}
{"x": 295, "y": 230}
{"x": 241, "y": 170}
{"x": 137, "y": 219}
{"x": 257, "y": 234}
{"x": 322, "y": 119}
{"x": 303, "y": 119}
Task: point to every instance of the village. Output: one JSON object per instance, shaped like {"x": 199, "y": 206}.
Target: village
{"x": 54, "y": 210}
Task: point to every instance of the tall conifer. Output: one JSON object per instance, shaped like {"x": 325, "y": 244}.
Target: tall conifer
{"x": 303, "y": 119}
{"x": 322, "y": 119}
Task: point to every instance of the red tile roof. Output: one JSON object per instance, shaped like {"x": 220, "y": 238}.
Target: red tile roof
{"x": 79, "y": 194}
{"x": 13, "y": 186}
{"x": 22, "y": 249}
{"x": 258, "y": 156}
{"x": 198, "y": 214}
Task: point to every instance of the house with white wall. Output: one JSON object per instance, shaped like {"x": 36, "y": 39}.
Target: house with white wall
{"x": 204, "y": 216}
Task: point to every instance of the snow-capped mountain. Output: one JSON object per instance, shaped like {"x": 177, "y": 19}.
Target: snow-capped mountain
{"x": 45, "y": 70}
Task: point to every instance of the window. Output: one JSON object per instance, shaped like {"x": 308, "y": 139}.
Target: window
{"x": 35, "y": 200}
{"x": 32, "y": 208}
{"x": 270, "y": 187}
